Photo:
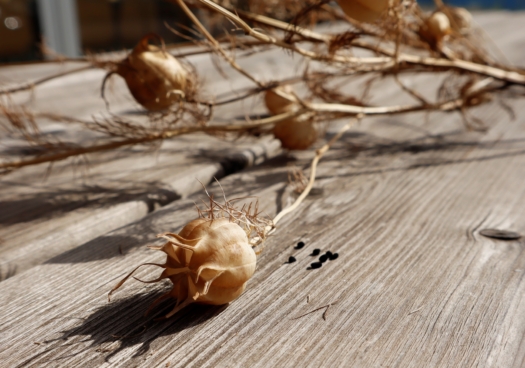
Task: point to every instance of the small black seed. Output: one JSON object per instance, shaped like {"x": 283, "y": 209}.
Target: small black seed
{"x": 333, "y": 256}
{"x": 316, "y": 252}
{"x": 291, "y": 260}
{"x": 328, "y": 254}
{"x": 316, "y": 265}
{"x": 323, "y": 258}
{"x": 299, "y": 245}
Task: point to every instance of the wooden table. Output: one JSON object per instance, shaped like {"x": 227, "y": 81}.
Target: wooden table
{"x": 401, "y": 199}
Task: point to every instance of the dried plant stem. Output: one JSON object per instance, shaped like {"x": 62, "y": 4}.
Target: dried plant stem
{"x": 215, "y": 44}
{"x": 313, "y": 169}
{"x": 490, "y": 71}
{"x": 271, "y": 40}
{"x": 381, "y": 110}
{"x": 76, "y": 151}
{"x": 325, "y": 307}
{"x": 308, "y": 109}
{"x": 31, "y": 85}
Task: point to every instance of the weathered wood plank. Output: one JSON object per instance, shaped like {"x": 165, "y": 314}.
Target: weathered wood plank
{"x": 415, "y": 284}
{"x": 117, "y": 188}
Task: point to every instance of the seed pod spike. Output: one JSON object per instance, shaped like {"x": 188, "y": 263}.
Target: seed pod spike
{"x": 179, "y": 307}
{"x": 208, "y": 283}
{"x": 211, "y": 258}
{"x": 168, "y": 272}
{"x": 207, "y": 267}
{"x": 121, "y": 282}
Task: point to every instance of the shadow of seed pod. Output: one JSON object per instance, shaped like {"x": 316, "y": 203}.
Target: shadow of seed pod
{"x": 154, "y": 77}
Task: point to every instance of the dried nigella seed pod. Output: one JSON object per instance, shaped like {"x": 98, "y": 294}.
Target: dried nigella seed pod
{"x": 461, "y": 19}
{"x": 209, "y": 261}
{"x": 277, "y": 100}
{"x": 295, "y": 133}
{"x": 438, "y": 26}
{"x": 154, "y": 77}
{"x": 363, "y": 10}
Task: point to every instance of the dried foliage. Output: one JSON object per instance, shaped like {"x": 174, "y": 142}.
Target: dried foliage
{"x": 380, "y": 40}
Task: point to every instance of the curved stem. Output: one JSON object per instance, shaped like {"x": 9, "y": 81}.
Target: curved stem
{"x": 31, "y": 85}
{"x": 313, "y": 169}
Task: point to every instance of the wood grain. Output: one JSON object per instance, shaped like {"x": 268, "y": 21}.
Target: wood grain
{"x": 402, "y": 200}
{"x": 43, "y": 215}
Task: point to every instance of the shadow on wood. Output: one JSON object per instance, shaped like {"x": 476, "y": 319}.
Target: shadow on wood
{"x": 48, "y": 204}
{"x": 122, "y": 323}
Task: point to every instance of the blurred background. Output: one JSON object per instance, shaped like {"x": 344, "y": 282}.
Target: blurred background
{"x": 75, "y": 27}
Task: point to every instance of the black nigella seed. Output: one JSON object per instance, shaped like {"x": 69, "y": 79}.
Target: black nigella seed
{"x": 291, "y": 260}
{"x": 316, "y": 252}
{"x": 299, "y": 245}
{"x": 323, "y": 258}
{"x": 329, "y": 254}
{"x": 316, "y": 265}
{"x": 333, "y": 256}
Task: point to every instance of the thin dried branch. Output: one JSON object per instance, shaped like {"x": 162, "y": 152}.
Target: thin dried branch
{"x": 30, "y": 85}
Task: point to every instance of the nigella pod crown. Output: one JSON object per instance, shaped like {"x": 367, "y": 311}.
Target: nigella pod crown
{"x": 209, "y": 261}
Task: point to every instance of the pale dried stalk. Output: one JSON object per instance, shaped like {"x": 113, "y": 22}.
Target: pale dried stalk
{"x": 313, "y": 169}
{"x": 154, "y": 137}
{"x": 353, "y": 65}
{"x": 269, "y": 229}
{"x": 490, "y": 71}
{"x": 272, "y": 40}
{"x": 310, "y": 109}
{"x": 215, "y": 44}
{"x": 33, "y": 84}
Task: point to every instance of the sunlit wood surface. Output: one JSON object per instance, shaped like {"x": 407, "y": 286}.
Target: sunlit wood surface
{"x": 401, "y": 199}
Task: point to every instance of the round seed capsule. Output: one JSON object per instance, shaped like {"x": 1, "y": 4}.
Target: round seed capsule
{"x": 323, "y": 258}
{"x": 316, "y": 265}
{"x": 316, "y": 252}
{"x": 299, "y": 245}
{"x": 333, "y": 256}
{"x": 291, "y": 260}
